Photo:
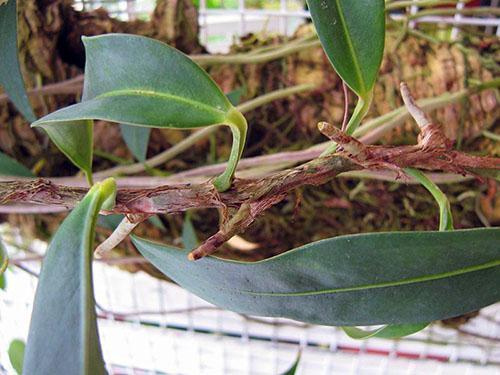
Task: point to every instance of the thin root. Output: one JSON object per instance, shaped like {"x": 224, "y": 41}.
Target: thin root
{"x": 126, "y": 226}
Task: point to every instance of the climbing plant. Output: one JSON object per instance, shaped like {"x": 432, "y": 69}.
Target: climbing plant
{"x": 399, "y": 281}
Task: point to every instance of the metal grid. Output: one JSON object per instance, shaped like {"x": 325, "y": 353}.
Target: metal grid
{"x": 220, "y": 25}
{"x": 153, "y": 327}
{"x": 149, "y": 326}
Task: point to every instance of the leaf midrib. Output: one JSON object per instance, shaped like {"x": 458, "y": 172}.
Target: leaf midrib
{"x": 388, "y": 284}
{"x": 161, "y": 95}
{"x": 357, "y": 67}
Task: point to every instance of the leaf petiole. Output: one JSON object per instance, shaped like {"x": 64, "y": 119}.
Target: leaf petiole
{"x": 360, "y": 111}
{"x": 445, "y": 216}
{"x": 238, "y": 124}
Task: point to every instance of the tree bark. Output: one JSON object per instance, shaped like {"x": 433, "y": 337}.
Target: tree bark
{"x": 51, "y": 51}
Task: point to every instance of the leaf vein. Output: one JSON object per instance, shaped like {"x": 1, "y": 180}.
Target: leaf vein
{"x": 357, "y": 67}
{"x": 161, "y": 95}
{"x": 388, "y": 284}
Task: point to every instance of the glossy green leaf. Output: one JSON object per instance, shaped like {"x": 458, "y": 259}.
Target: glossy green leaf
{"x": 11, "y": 167}
{"x": 364, "y": 279}
{"x": 110, "y": 222}
{"x": 156, "y": 221}
{"x": 140, "y": 81}
{"x": 11, "y": 78}
{"x": 63, "y": 336}
{"x": 137, "y": 139}
{"x": 445, "y": 223}
{"x": 292, "y": 370}
{"x": 74, "y": 139}
{"x": 391, "y": 331}
{"x": 189, "y": 237}
{"x": 235, "y": 96}
{"x": 16, "y": 355}
{"x": 4, "y": 260}
{"x": 352, "y": 34}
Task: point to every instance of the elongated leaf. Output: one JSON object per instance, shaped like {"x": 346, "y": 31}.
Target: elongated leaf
{"x": 235, "y": 96}
{"x": 10, "y": 73}
{"x": 156, "y": 221}
{"x": 136, "y": 138}
{"x": 10, "y": 167}
{"x": 352, "y": 34}
{"x": 16, "y": 355}
{"x": 445, "y": 223}
{"x": 63, "y": 336}
{"x": 139, "y": 81}
{"x": 292, "y": 370}
{"x": 390, "y": 331}
{"x": 4, "y": 260}
{"x": 74, "y": 139}
{"x": 110, "y": 221}
{"x": 189, "y": 238}
{"x": 365, "y": 279}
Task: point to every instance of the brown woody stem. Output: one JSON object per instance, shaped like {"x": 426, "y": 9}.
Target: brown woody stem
{"x": 253, "y": 196}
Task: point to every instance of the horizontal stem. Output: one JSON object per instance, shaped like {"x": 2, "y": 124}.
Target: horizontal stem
{"x": 186, "y": 143}
{"x": 369, "y": 133}
{"x": 261, "y": 55}
{"x": 246, "y": 58}
{"x": 373, "y": 130}
{"x": 422, "y": 3}
{"x": 69, "y": 86}
{"x": 490, "y": 11}
{"x": 174, "y": 198}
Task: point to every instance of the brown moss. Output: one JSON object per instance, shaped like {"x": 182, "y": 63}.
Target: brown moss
{"x": 340, "y": 207}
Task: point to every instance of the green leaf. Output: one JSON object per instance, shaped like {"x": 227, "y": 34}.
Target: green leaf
{"x": 16, "y": 355}
{"x": 391, "y": 331}
{"x": 189, "y": 238}
{"x": 11, "y": 167}
{"x": 140, "y": 81}
{"x": 3, "y": 281}
{"x": 156, "y": 221}
{"x": 352, "y": 34}
{"x": 445, "y": 223}
{"x": 74, "y": 139}
{"x": 11, "y": 78}
{"x": 110, "y": 221}
{"x": 364, "y": 279}
{"x": 292, "y": 370}
{"x": 4, "y": 260}
{"x": 136, "y": 138}
{"x": 235, "y": 96}
{"x": 63, "y": 336}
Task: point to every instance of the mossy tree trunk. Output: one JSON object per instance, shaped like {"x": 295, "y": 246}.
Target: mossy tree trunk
{"x": 50, "y": 50}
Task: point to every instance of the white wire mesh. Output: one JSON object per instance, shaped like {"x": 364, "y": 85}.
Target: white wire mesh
{"x": 220, "y": 24}
{"x": 153, "y": 327}
{"x": 149, "y": 326}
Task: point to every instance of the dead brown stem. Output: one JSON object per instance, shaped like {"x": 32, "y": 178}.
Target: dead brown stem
{"x": 253, "y": 196}
{"x": 167, "y": 199}
{"x": 433, "y": 151}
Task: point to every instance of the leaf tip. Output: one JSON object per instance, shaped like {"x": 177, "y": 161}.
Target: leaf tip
{"x": 35, "y": 124}
{"x": 107, "y": 190}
